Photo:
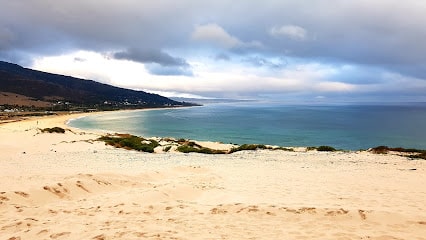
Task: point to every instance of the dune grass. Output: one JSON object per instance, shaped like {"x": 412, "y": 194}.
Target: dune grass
{"x": 130, "y": 142}
{"x": 322, "y": 149}
{"x": 53, "y": 130}
{"x": 190, "y": 149}
{"x": 413, "y": 153}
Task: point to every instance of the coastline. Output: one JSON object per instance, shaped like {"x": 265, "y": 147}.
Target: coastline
{"x": 276, "y": 125}
{"x": 69, "y": 186}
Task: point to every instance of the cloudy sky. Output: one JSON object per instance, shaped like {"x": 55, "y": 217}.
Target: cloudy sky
{"x": 316, "y": 50}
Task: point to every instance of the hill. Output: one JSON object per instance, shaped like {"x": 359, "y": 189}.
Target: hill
{"x": 38, "y": 89}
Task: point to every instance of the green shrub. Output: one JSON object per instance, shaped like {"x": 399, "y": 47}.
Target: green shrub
{"x": 326, "y": 149}
{"x": 248, "y": 147}
{"x": 421, "y": 156}
{"x": 166, "y": 149}
{"x": 189, "y": 149}
{"x": 53, "y": 130}
{"x": 193, "y": 144}
{"x": 386, "y": 149}
{"x": 284, "y": 149}
{"x": 322, "y": 149}
{"x": 186, "y": 149}
{"x": 130, "y": 142}
{"x": 380, "y": 150}
{"x": 415, "y": 153}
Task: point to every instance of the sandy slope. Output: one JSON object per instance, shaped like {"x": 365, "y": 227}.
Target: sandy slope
{"x": 66, "y": 186}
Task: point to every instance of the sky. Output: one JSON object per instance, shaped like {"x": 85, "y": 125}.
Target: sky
{"x": 283, "y": 50}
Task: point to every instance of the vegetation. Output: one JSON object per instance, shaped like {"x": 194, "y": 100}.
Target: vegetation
{"x": 192, "y": 144}
{"x": 380, "y": 150}
{"x": 414, "y": 153}
{"x": 129, "y": 142}
{"x": 53, "y": 130}
{"x": 420, "y": 156}
{"x": 132, "y": 142}
{"x": 326, "y": 149}
{"x": 386, "y": 149}
{"x": 166, "y": 149}
{"x": 284, "y": 149}
{"x": 249, "y": 147}
{"x": 189, "y": 149}
{"x": 322, "y": 149}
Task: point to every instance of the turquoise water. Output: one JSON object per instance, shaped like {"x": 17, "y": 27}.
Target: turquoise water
{"x": 345, "y": 127}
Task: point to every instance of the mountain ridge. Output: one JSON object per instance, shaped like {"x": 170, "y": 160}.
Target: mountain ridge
{"x": 59, "y": 89}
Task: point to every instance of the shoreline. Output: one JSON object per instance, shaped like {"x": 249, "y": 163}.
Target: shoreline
{"x": 63, "y": 120}
{"x": 69, "y": 186}
{"x": 211, "y": 123}
{"x": 208, "y": 143}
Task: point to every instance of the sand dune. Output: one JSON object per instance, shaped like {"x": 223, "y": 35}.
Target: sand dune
{"x": 67, "y": 186}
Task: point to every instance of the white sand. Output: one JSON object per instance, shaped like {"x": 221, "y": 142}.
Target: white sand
{"x": 67, "y": 187}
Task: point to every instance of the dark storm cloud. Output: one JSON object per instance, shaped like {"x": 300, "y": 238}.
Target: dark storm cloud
{"x": 49, "y": 27}
{"x": 150, "y": 56}
{"x": 157, "y": 62}
{"x": 386, "y": 34}
{"x": 364, "y": 31}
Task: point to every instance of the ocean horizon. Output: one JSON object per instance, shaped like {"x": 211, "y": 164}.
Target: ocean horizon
{"x": 344, "y": 126}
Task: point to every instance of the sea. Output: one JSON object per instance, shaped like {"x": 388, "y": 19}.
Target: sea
{"x": 342, "y": 126}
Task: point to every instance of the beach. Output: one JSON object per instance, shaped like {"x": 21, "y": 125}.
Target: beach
{"x": 70, "y": 186}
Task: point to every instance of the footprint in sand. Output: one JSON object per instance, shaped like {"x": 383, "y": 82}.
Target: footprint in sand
{"x": 53, "y": 212}
{"x": 31, "y": 219}
{"x": 312, "y": 210}
{"x": 43, "y": 232}
{"x": 337, "y": 212}
{"x": 100, "y": 182}
{"x": 270, "y": 213}
{"x": 253, "y": 208}
{"x": 63, "y": 188}
{"x": 362, "y": 214}
{"x": 56, "y": 191}
{"x": 99, "y": 237}
{"x": 139, "y": 234}
{"x": 3, "y": 198}
{"x": 19, "y": 208}
{"x": 13, "y": 225}
{"x": 14, "y": 238}
{"x": 22, "y": 194}
{"x": 57, "y": 235}
{"x": 292, "y": 211}
{"x": 218, "y": 211}
{"x": 80, "y": 185}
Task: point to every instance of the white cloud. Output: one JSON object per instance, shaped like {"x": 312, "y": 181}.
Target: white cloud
{"x": 171, "y": 94}
{"x": 96, "y": 67}
{"x": 290, "y": 31}
{"x": 216, "y": 35}
{"x": 334, "y": 87}
{"x": 225, "y": 78}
